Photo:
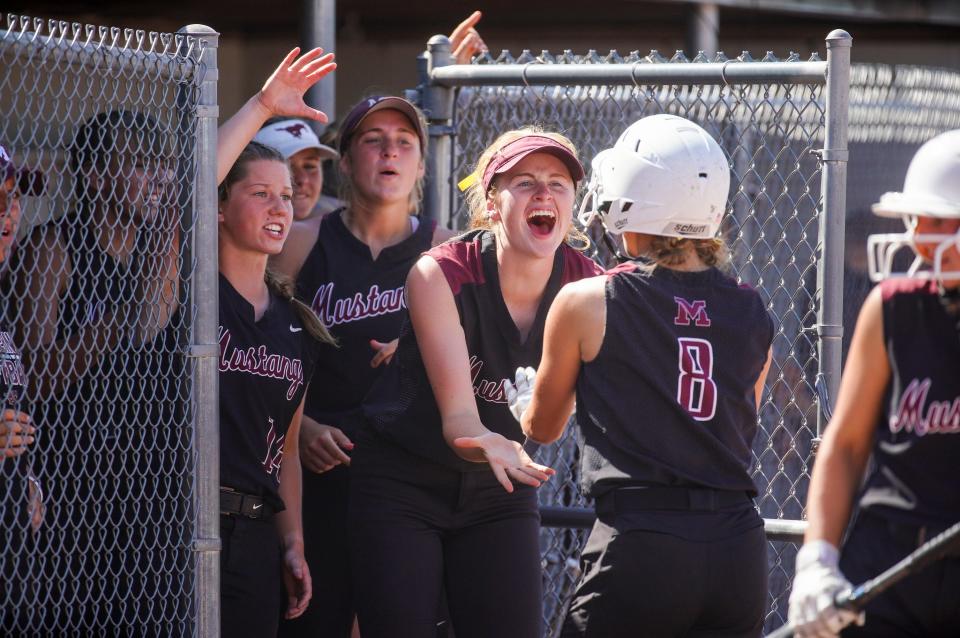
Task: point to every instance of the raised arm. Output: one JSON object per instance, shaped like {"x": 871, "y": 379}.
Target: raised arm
{"x": 282, "y": 94}
{"x": 848, "y": 438}
{"x": 443, "y": 348}
{"x": 573, "y": 334}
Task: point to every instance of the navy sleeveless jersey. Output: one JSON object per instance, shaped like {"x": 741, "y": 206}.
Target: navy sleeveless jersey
{"x": 669, "y": 399}
{"x": 358, "y": 299}
{"x": 265, "y": 367}
{"x": 916, "y": 454}
{"x": 401, "y": 405}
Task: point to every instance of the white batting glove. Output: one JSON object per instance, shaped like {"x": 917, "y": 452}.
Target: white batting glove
{"x": 520, "y": 391}
{"x": 816, "y": 584}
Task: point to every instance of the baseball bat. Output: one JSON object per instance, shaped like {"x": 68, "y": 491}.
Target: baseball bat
{"x": 856, "y": 599}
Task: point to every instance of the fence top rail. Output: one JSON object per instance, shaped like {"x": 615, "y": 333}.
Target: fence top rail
{"x": 170, "y": 56}
{"x": 638, "y": 73}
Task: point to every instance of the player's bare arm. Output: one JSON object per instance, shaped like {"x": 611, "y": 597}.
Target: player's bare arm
{"x": 282, "y": 94}
{"x": 296, "y": 573}
{"x": 848, "y": 438}
{"x": 56, "y": 364}
{"x": 573, "y": 334}
{"x": 442, "y": 344}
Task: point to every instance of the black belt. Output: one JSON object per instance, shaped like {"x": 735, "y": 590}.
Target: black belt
{"x": 627, "y": 499}
{"x": 248, "y": 505}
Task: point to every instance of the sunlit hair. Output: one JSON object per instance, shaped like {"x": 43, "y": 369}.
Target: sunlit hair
{"x": 252, "y": 152}
{"x": 670, "y": 252}
{"x": 345, "y": 190}
{"x": 476, "y": 198}
{"x": 278, "y": 284}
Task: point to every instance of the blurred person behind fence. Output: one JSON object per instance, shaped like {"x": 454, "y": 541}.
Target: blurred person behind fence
{"x": 667, "y": 357}
{"x": 21, "y": 496}
{"x": 886, "y": 476}
{"x": 87, "y": 290}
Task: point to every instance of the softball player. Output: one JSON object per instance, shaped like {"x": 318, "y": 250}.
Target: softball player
{"x": 441, "y": 491}
{"x": 268, "y": 346}
{"x": 668, "y": 356}
{"x": 74, "y": 281}
{"x": 352, "y": 276}
{"x": 269, "y": 343}
{"x": 899, "y": 403}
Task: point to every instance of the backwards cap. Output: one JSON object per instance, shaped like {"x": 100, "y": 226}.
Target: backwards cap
{"x": 292, "y": 136}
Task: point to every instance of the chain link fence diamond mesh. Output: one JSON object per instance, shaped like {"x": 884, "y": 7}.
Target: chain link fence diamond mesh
{"x": 95, "y": 295}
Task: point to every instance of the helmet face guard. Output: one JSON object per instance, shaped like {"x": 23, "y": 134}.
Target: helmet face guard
{"x": 665, "y": 176}
{"x": 882, "y": 249}
{"x": 931, "y": 189}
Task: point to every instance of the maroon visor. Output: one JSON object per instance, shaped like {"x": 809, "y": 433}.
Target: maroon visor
{"x": 511, "y": 155}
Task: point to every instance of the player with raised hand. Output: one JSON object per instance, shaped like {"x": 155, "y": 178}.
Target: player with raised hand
{"x": 269, "y": 343}
{"x": 667, "y": 356}
{"x": 899, "y": 404}
{"x": 441, "y": 493}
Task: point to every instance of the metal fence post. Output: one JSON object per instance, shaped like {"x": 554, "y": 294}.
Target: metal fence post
{"x": 438, "y": 107}
{"x": 203, "y": 348}
{"x": 833, "y": 219}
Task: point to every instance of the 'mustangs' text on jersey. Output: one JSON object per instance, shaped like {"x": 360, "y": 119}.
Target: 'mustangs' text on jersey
{"x": 401, "y": 404}
{"x": 669, "y": 399}
{"x": 265, "y": 366}
{"x": 916, "y": 454}
{"x": 357, "y": 298}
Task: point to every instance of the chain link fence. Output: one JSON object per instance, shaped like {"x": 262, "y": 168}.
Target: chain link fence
{"x": 98, "y": 295}
{"x": 771, "y": 122}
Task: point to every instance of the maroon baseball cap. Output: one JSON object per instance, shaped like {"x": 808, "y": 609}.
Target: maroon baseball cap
{"x": 28, "y": 182}
{"x": 511, "y": 154}
{"x": 378, "y": 103}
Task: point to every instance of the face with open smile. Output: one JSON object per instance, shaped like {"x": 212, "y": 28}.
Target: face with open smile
{"x": 258, "y": 211}
{"x": 532, "y": 208}
{"x": 9, "y": 216}
{"x": 384, "y": 159}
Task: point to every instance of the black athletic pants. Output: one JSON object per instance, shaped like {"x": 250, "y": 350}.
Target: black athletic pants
{"x": 664, "y": 573}
{"x": 922, "y": 604}
{"x": 331, "y": 610}
{"x": 417, "y": 527}
{"x": 251, "y": 584}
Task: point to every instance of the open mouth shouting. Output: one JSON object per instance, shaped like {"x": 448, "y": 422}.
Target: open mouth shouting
{"x": 274, "y": 229}
{"x": 542, "y": 222}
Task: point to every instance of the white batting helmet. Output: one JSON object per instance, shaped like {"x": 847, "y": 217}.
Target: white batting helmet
{"x": 931, "y": 189}
{"x": 664, "y": 176}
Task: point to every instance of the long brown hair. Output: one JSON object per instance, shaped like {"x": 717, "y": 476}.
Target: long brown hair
{"x": 276, "y": 283}
{"x": 669, "y": 252}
